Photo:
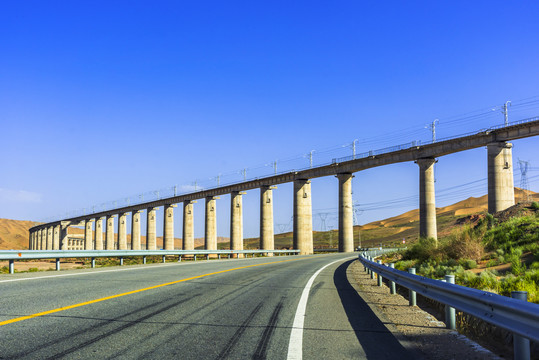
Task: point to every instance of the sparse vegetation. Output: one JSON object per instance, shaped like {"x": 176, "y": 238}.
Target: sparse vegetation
{"x": 514, "y": 242}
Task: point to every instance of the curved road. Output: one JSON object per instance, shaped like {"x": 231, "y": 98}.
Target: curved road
{"x": 237, "y": 309}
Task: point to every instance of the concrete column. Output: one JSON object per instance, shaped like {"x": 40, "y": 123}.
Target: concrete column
{"x": 122, "y": 231}
{"x": 39, "y": 238}
{"x": 88, "y": 235}
{"x": 303, "y": 217}
{"x": 98, "y": 234}
{"x": 42, "y": 240}
{"x": 64, "y": 241}
{"x": 56, "y": 237}
{"x": 427, "y": 205}
{"x": 501, "y": 192}
{"x": 109, "y": 232}
{"x": 135, "y": 230}
{"x": 49, "y": 238}
{"x": 151, "y": 237}
{"x": 168, "y": 227}
{"x": 210, "y": 239}
{"x": 267, "y": 241}
{"x": 188, "y": 226}
{"x": 346, "y": 218}
{"x": 31, "y": 241}
{"x": 236, "y": 220}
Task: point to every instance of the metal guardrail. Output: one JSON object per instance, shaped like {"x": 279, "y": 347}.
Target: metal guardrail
{"x": 13, "y": 255}
{"x": 517, "y": 316}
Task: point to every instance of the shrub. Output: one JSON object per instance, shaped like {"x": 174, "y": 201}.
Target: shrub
{"x": 404, "y": 265}
{"x": 535, "y": 205}
{"x": 468, "y": 264}
{"x": 423, "y": 250}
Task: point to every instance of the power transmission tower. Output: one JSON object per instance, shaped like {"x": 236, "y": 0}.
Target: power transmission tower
{"x": 323, "y": 217}
{"x": 282, "y": 227}
{"x": 524, "y": 177}
{"x": 356, "y": 213}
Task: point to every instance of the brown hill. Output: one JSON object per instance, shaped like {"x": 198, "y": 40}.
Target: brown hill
{"x": 14, "y": 233}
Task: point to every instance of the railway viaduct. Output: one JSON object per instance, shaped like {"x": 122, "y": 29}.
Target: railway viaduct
{"x": 53, "y": 235}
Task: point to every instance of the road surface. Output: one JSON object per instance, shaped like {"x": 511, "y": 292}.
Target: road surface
{"x": 237, "y": 309}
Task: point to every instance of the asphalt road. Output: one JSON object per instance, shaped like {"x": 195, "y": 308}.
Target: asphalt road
{"x": 240, "y": 312}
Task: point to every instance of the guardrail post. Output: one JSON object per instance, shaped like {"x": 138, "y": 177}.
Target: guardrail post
{"x": 179, "y": 258}
{"x": 207, "y": 256}
{"x": 412, "y": 301}
{"x": 121, "y": 261}
{"x": 219, "y": 256}
{"x": 393, "y": 288}
{"x": 144, "y": 260}
{"x": 229, "y": 256}
{"x": 57, "y": 264}
{"x": 11, "y": 266}
{"x": 93, "y": 262}
{"x": 163, "y": 259}
{"x": 379, "y": 275}
{"x": 450, "y": 311}
{"x": 195, "y": 258}
{"x": 521, "y": 345}
{"x": 372, "y": 271}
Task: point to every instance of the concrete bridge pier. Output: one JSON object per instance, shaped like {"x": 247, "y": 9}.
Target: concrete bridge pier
{"x": 210, "y": 239}
{"x": 63, "y": 236}
{"x": 31, "y": 241}
{"x": 98, "y": 234}
{"x": 41, "y": 244}
{"x": 346, "y": 218}
{"x": 501, "y": 192}
{"x": 151, "y": 226}
{"x": 267, "y": 236}
{"x": 43, "y": 239}
{"x": 188, "y": 237}
{"x": 122, "y": 231}
{"x": 168, "y": 227}
{"x": 236, "y": 220}
{"x": 135, "y": 229}
{"x": 88, "y": 235}
{"x": 56, "y": 237}
{"x": 427, "y": 205}
{"x": 303, "y": 217}
{"x": 49, "y": 238}
{"x": 109, "y": 232}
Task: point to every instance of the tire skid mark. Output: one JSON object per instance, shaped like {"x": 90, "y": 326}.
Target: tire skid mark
{"x": 317, "y": 287}
{"x": 117, "y": 330}
{"x": 232, "y": 342}
{"x": 262, "y": 347}
{"x": 104, "y": 323}
{"x": 225, "y": 299}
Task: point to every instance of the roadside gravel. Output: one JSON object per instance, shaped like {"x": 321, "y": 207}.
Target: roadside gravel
{"x": 416, "y": 329}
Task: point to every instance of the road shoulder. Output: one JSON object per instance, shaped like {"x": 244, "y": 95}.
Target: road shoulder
{"x": 417, "y": 330}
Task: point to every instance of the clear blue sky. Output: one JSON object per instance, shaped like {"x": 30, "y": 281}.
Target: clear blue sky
{"x": 102, "y": 101}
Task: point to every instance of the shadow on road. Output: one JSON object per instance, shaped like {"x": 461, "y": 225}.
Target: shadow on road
{"x": 375, "y": 338}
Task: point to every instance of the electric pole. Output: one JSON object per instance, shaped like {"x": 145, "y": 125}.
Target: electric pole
{"x": 432, "y": 127}
{"x": 354, "y": 149}
{"x": 505, "y": 113}
{"x": 311, "y": 158}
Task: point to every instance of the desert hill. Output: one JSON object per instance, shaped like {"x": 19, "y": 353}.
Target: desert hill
{"x": 14, "y": 233}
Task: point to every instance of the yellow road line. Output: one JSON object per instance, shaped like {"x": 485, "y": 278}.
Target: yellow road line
{"x": 11, "y": 321}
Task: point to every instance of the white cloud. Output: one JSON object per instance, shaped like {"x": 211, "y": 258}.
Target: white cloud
{"x": 19, "y": 196}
